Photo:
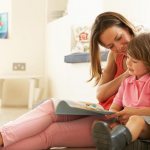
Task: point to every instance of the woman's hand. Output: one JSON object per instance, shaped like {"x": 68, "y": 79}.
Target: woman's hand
{"x": 126, "y": 73}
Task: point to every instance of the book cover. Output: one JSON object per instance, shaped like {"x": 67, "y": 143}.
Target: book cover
{"x": 68, "y": 107}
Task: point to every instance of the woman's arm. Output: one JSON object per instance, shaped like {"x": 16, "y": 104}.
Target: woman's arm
{"x": 108, "y": 85}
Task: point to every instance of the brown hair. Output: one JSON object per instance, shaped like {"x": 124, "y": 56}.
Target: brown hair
{"x": 139, "y": 48}
{"x": 103, "y": 22}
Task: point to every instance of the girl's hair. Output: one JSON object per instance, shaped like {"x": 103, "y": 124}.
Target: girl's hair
{"x": 103, "y": 22}
{"x": 139, "y": 48}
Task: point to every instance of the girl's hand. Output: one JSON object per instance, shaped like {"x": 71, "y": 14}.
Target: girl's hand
{"x": 124, "y": 114}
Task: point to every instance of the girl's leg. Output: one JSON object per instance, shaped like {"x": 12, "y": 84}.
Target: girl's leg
{"x": 75, "y": 133}
{"x": 31, "y": 123}
{"x": 138, "y": 127}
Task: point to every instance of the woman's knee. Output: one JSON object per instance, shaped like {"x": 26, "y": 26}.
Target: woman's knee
{"x": 46, "y": 105}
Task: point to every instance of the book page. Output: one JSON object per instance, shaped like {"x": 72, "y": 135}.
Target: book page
{"x": 71, "y": 107}
{"x": 85, "y": 105}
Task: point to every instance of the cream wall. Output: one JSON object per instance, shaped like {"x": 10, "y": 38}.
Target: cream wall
{"x": 68, "y": 81}
{"x": 43, "y": 47}
{"x": 136, "y": 11}
{"x": 27, "y": 38}
{"x": 26, "y": 43}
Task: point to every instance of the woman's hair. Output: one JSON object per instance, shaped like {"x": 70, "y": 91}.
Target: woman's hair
{"x": 103, "y": 22}
{"x": 139, "y": 48}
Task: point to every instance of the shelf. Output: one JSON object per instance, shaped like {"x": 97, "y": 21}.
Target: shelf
{"x": 82, "y": 57}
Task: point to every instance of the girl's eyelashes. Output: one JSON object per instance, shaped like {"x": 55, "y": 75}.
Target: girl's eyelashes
{"x": 131, "y": 59}
{"x": 134, "y": 61}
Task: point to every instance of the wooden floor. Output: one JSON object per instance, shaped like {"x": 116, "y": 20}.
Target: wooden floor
{"x": 137, "y": 145}
{"x": 73, "y": 148}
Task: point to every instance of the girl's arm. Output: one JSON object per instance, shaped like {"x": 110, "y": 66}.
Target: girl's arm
{"x": 129, "y": 111}
{"x": 108, "y": 85}
{"x": 115, "y": 108}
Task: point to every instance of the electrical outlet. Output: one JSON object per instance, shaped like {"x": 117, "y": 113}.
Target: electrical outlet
{"x": 19, "y": 66}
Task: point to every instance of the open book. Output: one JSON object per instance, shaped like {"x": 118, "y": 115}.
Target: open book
{"x": 78, "y": 108}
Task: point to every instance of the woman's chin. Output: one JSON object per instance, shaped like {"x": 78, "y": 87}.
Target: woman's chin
{"x": 124, "y": 52}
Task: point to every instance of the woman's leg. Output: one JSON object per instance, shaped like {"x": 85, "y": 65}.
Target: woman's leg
{"x": 75, "y": 133}
{"x": 31, "y": 123}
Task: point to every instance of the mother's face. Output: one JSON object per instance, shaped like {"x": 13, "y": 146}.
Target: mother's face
{"x": 116, "y": 39}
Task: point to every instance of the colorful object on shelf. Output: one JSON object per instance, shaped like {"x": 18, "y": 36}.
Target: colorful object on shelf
{"x": 81, "y": 38}
{"x": 3, "y": 25}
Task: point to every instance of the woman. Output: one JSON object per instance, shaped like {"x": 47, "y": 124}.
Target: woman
{"x": 41, "y": 128}
{"x": 112, "y": 31}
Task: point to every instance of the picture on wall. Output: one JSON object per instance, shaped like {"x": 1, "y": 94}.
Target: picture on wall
{"x": 3, "y": 25}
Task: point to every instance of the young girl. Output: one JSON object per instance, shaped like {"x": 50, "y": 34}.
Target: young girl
{"x": 134, "y": 95}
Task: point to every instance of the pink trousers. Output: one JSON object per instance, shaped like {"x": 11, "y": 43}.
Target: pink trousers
{"x": 41, "y": 128}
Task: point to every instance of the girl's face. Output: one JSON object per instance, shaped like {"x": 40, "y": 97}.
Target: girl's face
{"x": 115, "y": 39}
{"x": 136, "y": 67}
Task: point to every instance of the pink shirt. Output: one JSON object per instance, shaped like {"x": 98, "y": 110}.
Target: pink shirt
{"x": 134, "y": 93}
